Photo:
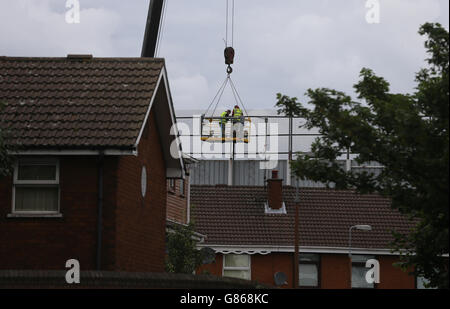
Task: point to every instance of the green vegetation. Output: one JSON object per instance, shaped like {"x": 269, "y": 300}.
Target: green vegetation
{"x": 407, "y": 134}
{"x": 6, "y": 163}
{"x": 182, "y": 257}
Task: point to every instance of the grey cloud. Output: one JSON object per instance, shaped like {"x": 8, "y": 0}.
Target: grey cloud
{"x": 282, "y": 46}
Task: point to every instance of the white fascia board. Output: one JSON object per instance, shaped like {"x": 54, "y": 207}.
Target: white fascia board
{"x": 264, "y": 250}
{"x": 163, "y": 76}
{"x": 106, "y": 152}
{"x": 173, "y": 118}
{"x": 147, "y": 114}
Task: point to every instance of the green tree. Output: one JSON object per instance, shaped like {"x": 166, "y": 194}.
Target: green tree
{"x": 407, "y": 134}
{"x": 6, "y": 162}
{"x": 183, "y": 256}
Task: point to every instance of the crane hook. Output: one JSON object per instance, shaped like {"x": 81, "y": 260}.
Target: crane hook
{"x": 229, "y": 58}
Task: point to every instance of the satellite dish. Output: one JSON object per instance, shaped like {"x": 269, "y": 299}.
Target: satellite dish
{"x": 280, "y": 279}
{"x": 208, "y": 255}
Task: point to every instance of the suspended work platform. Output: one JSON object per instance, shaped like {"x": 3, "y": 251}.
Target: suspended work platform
{"x": 236, "y": 130}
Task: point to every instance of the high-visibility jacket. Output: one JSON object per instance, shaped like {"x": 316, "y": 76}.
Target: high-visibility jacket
{"x": 237, "y": 113}
{"x": 224, "y": 119}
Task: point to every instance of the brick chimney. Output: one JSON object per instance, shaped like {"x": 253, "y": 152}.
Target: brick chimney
{"x": 275, "y": 191}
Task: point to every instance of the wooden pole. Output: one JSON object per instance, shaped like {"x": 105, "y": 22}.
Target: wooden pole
{"x": 296, "y": 248}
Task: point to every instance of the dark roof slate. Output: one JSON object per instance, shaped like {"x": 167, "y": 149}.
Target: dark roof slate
{"x": 76, "y": 103}
{"x": 235, "y": 216}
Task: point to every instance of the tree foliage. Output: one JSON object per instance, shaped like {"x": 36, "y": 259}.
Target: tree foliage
{"x": 406, "y": 133}
{"x": 182, "y": 257}
{"x": 5, "y": 158}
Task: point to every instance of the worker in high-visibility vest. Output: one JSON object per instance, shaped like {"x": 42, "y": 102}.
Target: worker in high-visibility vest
{"x": 237, "y": 112}
{"x": 223, "y": 122}
{"x": 238, "y": 121}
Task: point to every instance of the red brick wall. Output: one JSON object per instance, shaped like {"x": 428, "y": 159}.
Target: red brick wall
{"x": 393, "y": 277}
{"x": 264, "y": 267}
{"x": 47, "y": 243}
{"x": 133, "y": 231}
{"x": 334, "y": 272}
{"x": 177, "y": 202}
{"x": 140, "y": 238}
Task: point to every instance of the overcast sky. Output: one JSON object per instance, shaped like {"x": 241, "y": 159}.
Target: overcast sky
{"x": 283, "y": 46}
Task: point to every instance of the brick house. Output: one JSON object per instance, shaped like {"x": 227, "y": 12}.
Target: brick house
{"x": 93, "y": 148}
{"x": 178, "y": 196}
{"x": 252, "y": 231}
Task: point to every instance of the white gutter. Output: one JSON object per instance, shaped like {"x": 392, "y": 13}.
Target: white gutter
{"x": 264, "y": 250}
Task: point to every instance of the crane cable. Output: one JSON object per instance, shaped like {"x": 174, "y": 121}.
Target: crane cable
{"x": 219, "y": 94}
{"x": 229, "y": 50}
{"x": 221, "y": 90}
{"x": 228, "y": 61}
{"x": 232, "y": 23}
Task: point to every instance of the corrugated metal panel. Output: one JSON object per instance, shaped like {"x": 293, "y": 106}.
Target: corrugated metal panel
{"x": 246, "y": 173}
{"x": 249, "y": 173}
{"x": 210, "y": 172}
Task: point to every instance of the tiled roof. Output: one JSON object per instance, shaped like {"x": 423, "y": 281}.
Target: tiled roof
{"x": 235, "y": 216}
{"x": 76, "y": 103}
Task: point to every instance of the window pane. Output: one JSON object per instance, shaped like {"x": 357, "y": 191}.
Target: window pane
{"x": 359, "y": 277}
{"x": 172, "y": 184}
{"x": 308, "y": 275}
{"x": 36, "y": 199}
{"x": 182, "y": 186}
{"x": 37, "y": 172}
{"x": 240, "y": 274}
{"x": 234, "y": 260}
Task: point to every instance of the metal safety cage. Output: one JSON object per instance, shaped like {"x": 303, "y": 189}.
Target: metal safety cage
{"x": 235, "y": 130}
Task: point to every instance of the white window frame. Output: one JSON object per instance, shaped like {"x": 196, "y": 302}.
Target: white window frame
{"x": 36, "y": 183}
{"x": 248, "y": 268}
{"x": 318, "y": 265}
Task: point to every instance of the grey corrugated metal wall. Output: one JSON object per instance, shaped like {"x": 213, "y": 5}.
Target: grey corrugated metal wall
{"x": 246, "y": 173}
{"x": 209, "y": 172}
